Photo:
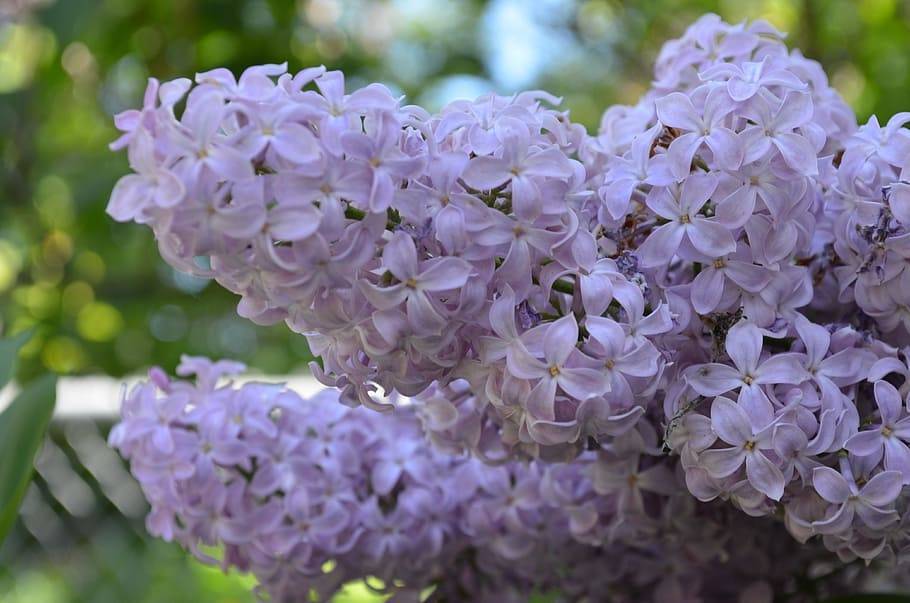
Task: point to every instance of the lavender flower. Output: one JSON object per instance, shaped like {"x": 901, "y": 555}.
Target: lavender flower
{"x": 714, "y": 287}
{"x": 314, "y": 495}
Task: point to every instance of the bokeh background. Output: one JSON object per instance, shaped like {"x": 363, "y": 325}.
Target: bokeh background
{"x": 103, "y": 303}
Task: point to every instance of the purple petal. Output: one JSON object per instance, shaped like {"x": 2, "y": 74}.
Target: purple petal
{"x": 293, "y": 222}
{"x": 883, "y": 489}
{"x": 485, "y": 173}
{"x": 743, "y": 345}
{"x": 676, "y": 110}
{"x": 727, "y": 148}
{"x": 755, "y": 143}
{"x": 296, "y": 143}
{"x": 735, "y": 210}
{"x": 399, "y": 256}
{"x": 710, "y": 237}
{"x": 540, "y": 400}
{"x": 707, "y": 290}
{"x": 560, "y": 340}
{"x": 422, "y": 315}
{"x": 583, "y": 383}
{"x": 681, "y": 152}
{"x": 782, "y": 368}
{"x": 899, "y": 200}
{"x": 616, "y": 196}
{"x": 229, "y": 163}
{"x": 764, "y": 475}
{"x": 128, "y": 198}
{"x": 713, "y": 379}
{"x": 865, "y": 443}
{"x": 730, "y": 422}
{"x": 838, "y": 522}
{"x": 443, "y": 274}
{"x": 888, "y": 400}
{"x": 798, "y": 152}
{"x": 661, "y": 245}
{"x": 740, "y": 90}
{"x": 522, "y": 365}
{"x": 384, "y": 298}
{"x": 382, "y": 191}
{"x": 795, "y": 110}
{"x": 721, "y": 462}
{"x": 897, "y": 457}
{"x": 696, "y": 191}
{"x": 608, "y": 333}
{"x": 830, "y": 485}
{"x": 748, "y": 276}
{"x": 384, "y": 476}
{"x": 550, "y": 162}
{"x": 815, "y": 337}
{"x": 876, "y": 518}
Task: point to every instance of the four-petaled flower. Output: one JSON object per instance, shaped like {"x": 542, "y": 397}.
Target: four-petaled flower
{"x": 869, "y": 502}
{"x": 750, "y": 443}
{"x": 415, "y": 281}
{"x": 562, "y": 365}
{"x": 703, "y": 127}
{"x": 680, "y": 205}
{"x": 774, "y": 128}
{"x": 889, "y": 437}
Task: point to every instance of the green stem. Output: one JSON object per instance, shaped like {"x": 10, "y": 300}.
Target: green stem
{"x": 393, "y": 219}
{"x": 564, "y": 287}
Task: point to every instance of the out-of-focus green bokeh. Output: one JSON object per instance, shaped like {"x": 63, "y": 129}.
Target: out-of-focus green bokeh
{"x": 99, "y": 296}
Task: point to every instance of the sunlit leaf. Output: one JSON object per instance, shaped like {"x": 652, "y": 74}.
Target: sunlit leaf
{"x": 22, "y": 427}
{"x": 9, "y": 354}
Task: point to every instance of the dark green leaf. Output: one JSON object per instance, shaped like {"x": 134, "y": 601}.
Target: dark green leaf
{"x": 22, "y": 427}
{"x": 9, "y": 355}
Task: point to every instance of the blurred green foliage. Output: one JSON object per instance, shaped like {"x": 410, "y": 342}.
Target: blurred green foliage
{"x": 112, "y": 567}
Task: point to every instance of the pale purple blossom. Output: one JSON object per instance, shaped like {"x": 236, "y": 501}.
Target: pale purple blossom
{"x": 870, "y": 502}
{"x": 889, "y": 436}
{"x": 701, "y": 127}
{"x": 705, "y": 301}
{"x": 680, "y": 206}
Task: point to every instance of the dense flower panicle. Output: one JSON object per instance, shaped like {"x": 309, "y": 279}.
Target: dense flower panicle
{"x": 867, "y": 219}
{"x": 713, "y": 286}
{"x": 409, "y": 248}
{"x": 772, "y": 217}
{"x": 308, "y": 495}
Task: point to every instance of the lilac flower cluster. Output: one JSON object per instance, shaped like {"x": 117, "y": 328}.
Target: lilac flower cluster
{"x": 722, "y": 267}
{"x": 409, "y": 248}
{"x": 741, "y": 172}
{"x": 309, "y": 495}
{"x": 866, "y": 220}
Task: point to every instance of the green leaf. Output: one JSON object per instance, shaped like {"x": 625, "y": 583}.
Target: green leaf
{"x": 22, "y": 427}
{"x": 9, "y": 355}
{"x": 871, "y": 598}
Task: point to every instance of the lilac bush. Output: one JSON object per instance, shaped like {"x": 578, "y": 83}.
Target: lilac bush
{"x": 309, "y": 495}
{"x": 706, "y": 299}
